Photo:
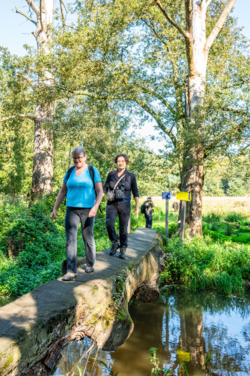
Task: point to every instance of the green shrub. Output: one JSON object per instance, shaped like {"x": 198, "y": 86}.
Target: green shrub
{"x": 201, "y": 263}
{"x": 234, "y": 217}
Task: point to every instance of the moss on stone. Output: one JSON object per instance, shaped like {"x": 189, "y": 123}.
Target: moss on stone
{"x": 7, "y": 363}
{"x": 122, "y": 316}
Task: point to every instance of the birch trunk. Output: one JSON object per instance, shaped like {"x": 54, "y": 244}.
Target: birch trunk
{"x": 197, "y": 50}
{"x": 42, "y": 181}
{"x": 193, "y": 169}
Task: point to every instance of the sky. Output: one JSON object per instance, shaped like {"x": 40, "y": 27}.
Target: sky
{"x": 15, "y": 31}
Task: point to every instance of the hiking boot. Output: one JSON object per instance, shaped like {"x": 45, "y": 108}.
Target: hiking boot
{"x": 122, "y": 253}
{"x": 69, "y": 277}
{"x": 89, "y": 269}
{"x": 113, "y": 248}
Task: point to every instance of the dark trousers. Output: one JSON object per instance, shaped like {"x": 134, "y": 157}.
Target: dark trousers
{"x": 72, "y": 220}
{"x": 122, "y": 210}
{"x": 149, "y": 220}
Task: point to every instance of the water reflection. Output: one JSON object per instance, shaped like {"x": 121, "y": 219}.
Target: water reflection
{"x": 183, "y": 327}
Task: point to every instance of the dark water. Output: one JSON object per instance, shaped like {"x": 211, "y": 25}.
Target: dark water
{"x": 183, "y": 327}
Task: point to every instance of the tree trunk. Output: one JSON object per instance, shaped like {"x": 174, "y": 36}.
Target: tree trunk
{"x": 42, "y": 181}
{"x": 193, "y": 159}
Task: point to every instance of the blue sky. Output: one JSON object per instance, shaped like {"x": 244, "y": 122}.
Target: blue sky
{"x": 15, "y": 31}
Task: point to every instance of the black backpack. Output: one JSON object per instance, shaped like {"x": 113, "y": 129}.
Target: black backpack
{"x": 143, "y": 207}
{"x": 92, "y": 175}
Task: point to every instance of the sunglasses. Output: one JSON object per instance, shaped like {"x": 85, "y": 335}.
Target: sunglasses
{"x": 75, "y": 158}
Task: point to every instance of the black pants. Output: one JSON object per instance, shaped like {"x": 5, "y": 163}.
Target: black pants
{"x": 72, "y": 220}
{"x": 121, "y": 209}
{"x": 149, "y": 220}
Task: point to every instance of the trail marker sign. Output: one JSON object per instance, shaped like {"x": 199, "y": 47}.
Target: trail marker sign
{"x": 183, "y": 196}
{"x": 166, "y": 195}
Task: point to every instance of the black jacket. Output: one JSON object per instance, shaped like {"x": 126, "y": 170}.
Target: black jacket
{"x": 130, "y": 183}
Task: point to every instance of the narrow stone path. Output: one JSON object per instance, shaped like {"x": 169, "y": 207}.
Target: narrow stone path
{"x": 35, "y": 327}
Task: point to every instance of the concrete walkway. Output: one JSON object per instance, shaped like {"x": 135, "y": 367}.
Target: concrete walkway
{"x": 30, "y": 324}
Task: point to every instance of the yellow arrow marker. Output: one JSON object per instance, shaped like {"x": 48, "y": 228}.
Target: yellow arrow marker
{"x": 183, "y": 196}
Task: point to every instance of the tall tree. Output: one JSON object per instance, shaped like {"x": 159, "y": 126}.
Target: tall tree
{"x": 198, "y": 46}
{"x": 197, "y": 32}
{"x": 43, "y": 117}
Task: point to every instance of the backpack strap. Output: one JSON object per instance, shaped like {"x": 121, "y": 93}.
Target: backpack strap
{"x": 69, "y": 172}
{"x": 92, "y": 174}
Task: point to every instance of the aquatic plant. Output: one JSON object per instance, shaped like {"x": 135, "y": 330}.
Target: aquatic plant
{"x": 157, "y": 370}
{"x": 201, "y": 367}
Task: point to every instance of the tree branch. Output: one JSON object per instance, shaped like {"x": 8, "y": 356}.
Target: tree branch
{"x": 89, "y": 94}
{"x": 32, "y": 84}
{"x": 25, "y": 15}
{"x": 173, "y": 23}
{"x": 154, "y": 31}
{"x": 149, "y": 91}
{"x": 218, "y": 26}
{"x": 233, "y": 111}
{"x": 40, "y": 14}
{"x": 157, "y": 119}
{"x": 208, "y": 3}
{"x": 33, "y": 6}
{"x": 24, "y": 116}
{"x": 63, "y": 19}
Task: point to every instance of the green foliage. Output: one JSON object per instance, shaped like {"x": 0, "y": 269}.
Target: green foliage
{"x": 32, "y": 246}
{"x": 35, "y": 245}
{"x": 204, "y": 264}
{"x": 229, "y": 177}
{"x": 227, "y": 228}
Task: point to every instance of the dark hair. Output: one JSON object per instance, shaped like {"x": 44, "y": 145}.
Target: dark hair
{"x": 79, "y": 150}
{"x": 121, "y": 155}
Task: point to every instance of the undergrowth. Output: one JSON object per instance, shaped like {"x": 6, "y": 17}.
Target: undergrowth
{"x": 205, "y": 264}
{"x": 32, "y": 247}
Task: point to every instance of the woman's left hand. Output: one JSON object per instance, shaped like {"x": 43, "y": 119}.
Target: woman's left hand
{"x": 136, "y": 211}
{"x": 93, "y": 211}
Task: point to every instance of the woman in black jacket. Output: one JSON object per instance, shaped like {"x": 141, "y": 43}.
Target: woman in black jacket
{"x": 118, "y": 187}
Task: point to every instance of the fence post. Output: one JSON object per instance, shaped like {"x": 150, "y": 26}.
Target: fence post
{"x": 166, "y": 220}
{"x": 183, "y": 219}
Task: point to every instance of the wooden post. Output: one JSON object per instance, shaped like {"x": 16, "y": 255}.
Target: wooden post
{"x": 183, "y": 219}
{"x": 167, "y": 210}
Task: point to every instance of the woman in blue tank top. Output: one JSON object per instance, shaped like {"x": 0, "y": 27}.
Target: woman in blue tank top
{"x": 83, "y": 187}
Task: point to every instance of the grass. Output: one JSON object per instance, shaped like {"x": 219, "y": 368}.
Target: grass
{"x": 220, "y": 260}
{"x": 37, "y": 245}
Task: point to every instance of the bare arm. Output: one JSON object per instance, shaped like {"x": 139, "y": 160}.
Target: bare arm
{"x": 99, "y": 191}
{"x": 136, "y": 205}
{"x": 60, "y": 197}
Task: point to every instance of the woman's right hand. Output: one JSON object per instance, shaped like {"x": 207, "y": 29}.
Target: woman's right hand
{"x": 53, "y": 214}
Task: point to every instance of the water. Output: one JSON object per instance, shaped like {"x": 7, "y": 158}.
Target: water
{"x": 183, "y": 327}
